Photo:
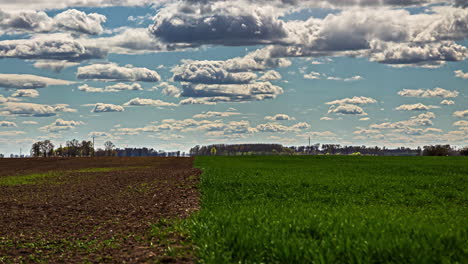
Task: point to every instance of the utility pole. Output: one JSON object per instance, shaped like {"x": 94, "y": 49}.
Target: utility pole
{"x": 93, "y": 146}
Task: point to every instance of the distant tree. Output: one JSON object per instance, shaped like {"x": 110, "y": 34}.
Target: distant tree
{"x": 47, "y": 148}
{"x": 74, "y": 148}
{"x": 36, "y": 149}
{"x": 87, "y": 148}
{"x": 464, "y": 151}
{"x": 2, "y": 156}
{"x": 109, "y": 147}
{"x": 437, "y": 150}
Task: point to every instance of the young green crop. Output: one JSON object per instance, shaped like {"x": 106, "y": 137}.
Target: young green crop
{"x": 332, "y": 209}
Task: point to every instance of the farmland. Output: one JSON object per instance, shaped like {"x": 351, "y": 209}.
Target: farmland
{"x": 95, "y": 209}
{"x": 244, "y": 209}
{"x": 332, "y": 209}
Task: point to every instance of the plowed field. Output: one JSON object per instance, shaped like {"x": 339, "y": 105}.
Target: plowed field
{"x": 95, "y": 209}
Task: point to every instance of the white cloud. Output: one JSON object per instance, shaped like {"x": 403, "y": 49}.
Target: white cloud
{"x": 211, "y": 114}
{"x": 11, "y": 133}
{"x": 210, "y": 72}
{"x": 313, "y": 76}
{"x": 437, "y": 92}
{"x": 36, "y": 110}
{"x": 89, "y": 89}
{"x": 461, "y": 114}
{"x": 415, "y": 107}
{"x": 26, "y": 93}
{"x": 349, "y": 79}
{"x": 30, "y": 122}
{"x": 169, "y": 89}
{"x": 233, "y": 92}
{"x": 38, "y": 21}
{"x": 54, "y": 65}
{"x": 124, "y": 87}
{"x": 60, "y": 47}
{"x": 101, "y": 108}
{"x": 28, "y": 81}
{"x": 279, "y": 117}
{"x": 461, "y": 74}
{"x": 143, "y": 102}
{"x": 77, "y": 21}
{"x": 7, "y": 124}
{"x": 447, "y": 102}
{"x": 326, "y": 118}
{"x": 113, "y": 72}
{"x": 347, "y": 109}
{"x": 275, "y": 127}
{"x": 271, "y": 75}
{"x": 462, "y": 123}
{"x": 360, "y": 100}
{"x": 61, "y": 125}
{"x": 364, "y": 119}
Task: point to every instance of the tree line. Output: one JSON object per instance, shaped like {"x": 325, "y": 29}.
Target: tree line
{"x": 324, "y": 149}
{"x": 75, "y": 148}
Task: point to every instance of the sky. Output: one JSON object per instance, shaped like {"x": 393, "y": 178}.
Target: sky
{"x": 170, "y": 75}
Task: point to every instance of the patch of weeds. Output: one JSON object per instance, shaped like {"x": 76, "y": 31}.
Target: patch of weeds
{"x": 173, "y": 236}
{"x": 27, "y": 179}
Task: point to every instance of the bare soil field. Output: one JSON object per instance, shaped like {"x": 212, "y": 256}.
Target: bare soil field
{"x": 96, "y": 210}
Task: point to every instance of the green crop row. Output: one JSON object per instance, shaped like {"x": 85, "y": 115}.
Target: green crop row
{"x": 328, "y": 209}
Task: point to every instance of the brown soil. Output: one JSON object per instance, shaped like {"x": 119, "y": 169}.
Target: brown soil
{"x": 116, "y": 216}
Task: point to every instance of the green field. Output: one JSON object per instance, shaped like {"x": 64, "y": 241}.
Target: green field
{"x": 332, "y": 209}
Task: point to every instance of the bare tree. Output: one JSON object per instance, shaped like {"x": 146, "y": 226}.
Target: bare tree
{"x": 109, "y": 146}
{"x": 74, "y": 147}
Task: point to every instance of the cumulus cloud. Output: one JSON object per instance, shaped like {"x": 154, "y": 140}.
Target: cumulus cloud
{"x": 36, "y": 110}
{"x": 436, "y": 92}
{"x": 461, "y": 74}
{"x": 210, "y": 72}
{"x": 169, "y": 89}
{"x": 447, "y": 102}
{"x": 275, "y": 127}
{"x": 360, "y": 100}
{"x": 279, "y": 117}
{"x": 461, "y": 123}
{"x": 313, "y": 76}
{"x": 61, "y": 47}
{"x": 77, "y": 21}
{"x": 461, "y": 114}
{"x": 423, "y": 119}
{"x": 11, "y": 133}
{"x": 256, "y": 91}
{"x": 224, "y": 23}
{"x": 205, "y": 100}
{"x": 364, "y": 119}
{"x": 54, "y": 65}
{"x": 7, "y": 124}
{"x": 61, "y": 125}
{"x": 26, "y": 93}
{"x": 326, "y": 118}
{"x": 38, "y": 21}
{"x": 124, "y": 87}
{"x": 28, "y": 81}
{"x": 102, "y": 108}
{"x": 143, "y": 102}
{"x": 212, "y": 114}
{"x": 30, "y": 122}
{"x": 349, "y": 79}
{"x": 346, "y": 109}
{"x": 415, "y": 107}
{"x": 113, "y": 72}
{"x": 270, "y": 75}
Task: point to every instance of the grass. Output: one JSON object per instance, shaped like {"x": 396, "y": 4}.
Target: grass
{"x": 36, "y": 178}
{"x": 332, "y": 209}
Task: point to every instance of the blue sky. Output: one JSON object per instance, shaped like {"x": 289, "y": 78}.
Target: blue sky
{"x": 174, "y": 74}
